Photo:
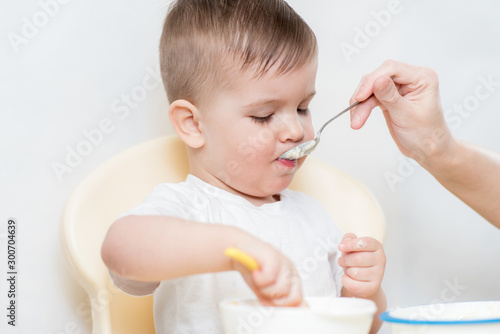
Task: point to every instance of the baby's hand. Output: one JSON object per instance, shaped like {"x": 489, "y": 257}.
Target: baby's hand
{"x": 363, "y": 260}
{"x": 276, "y": 282}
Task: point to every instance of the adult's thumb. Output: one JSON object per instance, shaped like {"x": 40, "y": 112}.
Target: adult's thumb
{"x": 387, "y": 94}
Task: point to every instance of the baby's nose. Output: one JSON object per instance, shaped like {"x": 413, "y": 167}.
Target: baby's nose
{"x": 292, "y": 129}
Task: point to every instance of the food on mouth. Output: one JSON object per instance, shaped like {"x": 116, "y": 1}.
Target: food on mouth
{"x": 299, "y": 151}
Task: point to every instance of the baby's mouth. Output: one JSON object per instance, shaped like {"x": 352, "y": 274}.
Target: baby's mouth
{"x": 287, "y": 163}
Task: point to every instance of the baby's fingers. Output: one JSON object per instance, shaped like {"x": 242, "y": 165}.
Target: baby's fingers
{"x": 277, "y": 290}
{"x": 290, "y": 295}
{"x": 283, "y": 290}
{"x": 359, "y": 259}
{"x": 364, "y": 244}
{"x": 294, "y": 298}
{"x": 348, "y": 236}
{"x": 364, "y": 274}
{"x": 360, "y": 289}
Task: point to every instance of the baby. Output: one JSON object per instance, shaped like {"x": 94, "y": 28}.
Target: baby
{"x": 240, "y": 75}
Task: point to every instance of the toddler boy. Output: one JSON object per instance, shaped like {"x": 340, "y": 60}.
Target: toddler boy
{"x": 240, "y": 75}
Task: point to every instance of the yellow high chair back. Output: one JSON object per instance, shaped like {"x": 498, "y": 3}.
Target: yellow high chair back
{"x": 122, "y": 183}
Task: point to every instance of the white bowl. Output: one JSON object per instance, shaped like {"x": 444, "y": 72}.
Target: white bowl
{"x": 468, "y": 317}
{"x": 323, "y": 315}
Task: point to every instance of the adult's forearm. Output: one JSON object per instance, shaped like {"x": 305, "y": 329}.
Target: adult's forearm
{"x": 471, "y": 173}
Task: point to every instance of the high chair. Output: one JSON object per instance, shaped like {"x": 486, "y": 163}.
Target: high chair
{"x": 122, "y": 183}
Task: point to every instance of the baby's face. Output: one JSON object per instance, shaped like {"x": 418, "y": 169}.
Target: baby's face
{"x": 247, "y": 127}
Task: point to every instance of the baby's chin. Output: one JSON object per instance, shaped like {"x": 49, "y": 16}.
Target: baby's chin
{"x": 272, "y": 190}
{"x": 269, "y": 185}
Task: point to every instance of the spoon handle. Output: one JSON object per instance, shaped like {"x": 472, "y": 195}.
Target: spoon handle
{"x": 243, "y": 258}
{"x": 334, "y": 117}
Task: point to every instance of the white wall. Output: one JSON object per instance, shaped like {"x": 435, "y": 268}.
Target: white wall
{"x": 75, "y": 70}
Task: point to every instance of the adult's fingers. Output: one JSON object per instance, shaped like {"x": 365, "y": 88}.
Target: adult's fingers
{"x": 388, "y": 95}
{"x": 361, "y": 112}
{"x": 388, "y": 83}
{"x": 401, "y": 73}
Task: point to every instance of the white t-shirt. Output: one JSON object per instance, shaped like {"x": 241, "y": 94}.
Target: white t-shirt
{"x": 297, "y": 225}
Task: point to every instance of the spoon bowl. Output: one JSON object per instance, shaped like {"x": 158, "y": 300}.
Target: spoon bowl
{"x": 306, "y": 148}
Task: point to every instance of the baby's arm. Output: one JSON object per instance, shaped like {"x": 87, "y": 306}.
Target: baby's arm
{"x": 156, "y": 248}
{"x": 363, "y": 260}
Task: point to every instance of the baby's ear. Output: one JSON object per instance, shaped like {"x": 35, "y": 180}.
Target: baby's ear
{"x": 185, "y": 118}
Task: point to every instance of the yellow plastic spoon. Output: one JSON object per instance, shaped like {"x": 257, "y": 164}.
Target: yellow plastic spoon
{"x": 242, "y": 257}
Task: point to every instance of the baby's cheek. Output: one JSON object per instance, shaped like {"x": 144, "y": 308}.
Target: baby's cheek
{"x": 308, "y": 129}
{"x": 309, "y": 134}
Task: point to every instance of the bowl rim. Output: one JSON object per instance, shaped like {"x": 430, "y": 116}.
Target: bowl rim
{"x": 387, "y": 317}
{"x": 369, "y": 306}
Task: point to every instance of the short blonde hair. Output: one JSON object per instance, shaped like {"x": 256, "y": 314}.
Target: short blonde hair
{"x": 205, "y": 42}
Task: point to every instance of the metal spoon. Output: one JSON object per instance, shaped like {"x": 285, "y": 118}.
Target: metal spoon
{"x": 306, "y": 148}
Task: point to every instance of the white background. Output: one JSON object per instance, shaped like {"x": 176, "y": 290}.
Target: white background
{"x": 78, "y": 64}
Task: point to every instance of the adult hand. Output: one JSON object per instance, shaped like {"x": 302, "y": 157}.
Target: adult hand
{"x": 409, "y": 98}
